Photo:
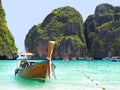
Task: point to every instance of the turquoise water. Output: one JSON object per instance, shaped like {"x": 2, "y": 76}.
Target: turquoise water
{"x": 71, "y": 75}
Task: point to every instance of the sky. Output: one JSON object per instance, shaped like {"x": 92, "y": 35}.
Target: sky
{"x": 21, "y": 15}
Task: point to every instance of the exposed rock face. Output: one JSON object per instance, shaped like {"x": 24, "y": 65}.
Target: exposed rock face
{"x": 65, "y": 26}
{"x": 8, "y": 49}
{"x": 102, "y": 31}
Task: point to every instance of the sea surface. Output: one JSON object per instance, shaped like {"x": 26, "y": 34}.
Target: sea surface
{"x": 71, "y": 75}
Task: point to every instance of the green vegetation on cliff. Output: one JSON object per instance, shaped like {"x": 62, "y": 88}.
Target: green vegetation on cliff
{"x": 8, "y": 49}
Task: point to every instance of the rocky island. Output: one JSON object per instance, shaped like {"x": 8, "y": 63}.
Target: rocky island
{"x": 102, "y": 31}
{"x": 8, "y": 49}
{"x": 97, "y": 37}
{"x": 65, "y": 26}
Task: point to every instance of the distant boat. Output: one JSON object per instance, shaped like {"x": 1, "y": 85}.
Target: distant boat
{"x": 106, "y": 58}
{"x": 81, "y": 58}
{"x": 73, "y": 58}
{"x": 91, "y": 59}
{"x": 37, "y": 70}
{"x": 65, "y": 59}
{"x": 115, "y": 59}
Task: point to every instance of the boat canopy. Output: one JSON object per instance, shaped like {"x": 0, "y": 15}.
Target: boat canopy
{"x": 26, "y": 54}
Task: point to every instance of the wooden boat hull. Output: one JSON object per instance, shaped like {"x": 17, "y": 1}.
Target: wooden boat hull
{"x": 37, "y": 71}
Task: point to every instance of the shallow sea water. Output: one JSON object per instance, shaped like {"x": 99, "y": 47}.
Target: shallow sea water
{"x": 71, "y": 75}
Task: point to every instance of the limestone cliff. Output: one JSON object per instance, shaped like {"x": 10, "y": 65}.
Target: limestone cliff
{"x": 102, "y": 31}
{"x": 65, "y": 26}
{"x": 8, "y": 49}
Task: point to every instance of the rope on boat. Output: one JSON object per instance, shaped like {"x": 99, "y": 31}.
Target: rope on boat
{"x": 92, "y": 80}
{"x": 53, "y": 70}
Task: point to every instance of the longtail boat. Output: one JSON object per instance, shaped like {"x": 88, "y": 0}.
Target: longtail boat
{"x": 37, "y": 70}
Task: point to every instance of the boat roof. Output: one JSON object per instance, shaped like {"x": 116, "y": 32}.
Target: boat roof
{"x": 26, "y": 54}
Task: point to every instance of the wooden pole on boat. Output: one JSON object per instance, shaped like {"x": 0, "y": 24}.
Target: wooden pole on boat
{"x": 50, "y": 51}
